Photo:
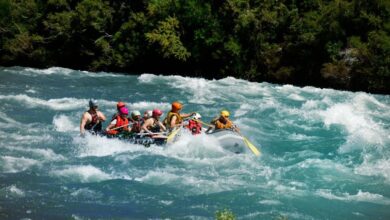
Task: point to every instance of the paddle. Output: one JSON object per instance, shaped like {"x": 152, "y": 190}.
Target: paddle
{"x": 173, "y": 134}
{"x": 157, "y": 133}
{"x": 113, "y": 129}
{"x": 252, "y": 147}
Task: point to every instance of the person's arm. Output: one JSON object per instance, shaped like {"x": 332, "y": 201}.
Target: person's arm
{"x": 102, "y": 117}
{"x": 83, "y": 121}
{"x": 162, "y": 126}
{"x": 173, "y": 122}
{"x": 111, "y": 125}
{"x": 235, "y": 128}
{"x": 186, "y": 115}
{"x": 146, "y": 124}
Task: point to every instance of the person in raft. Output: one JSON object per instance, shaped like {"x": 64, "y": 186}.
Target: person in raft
{"x": 174, "y": 118}
{"x": 194, "y": 124}
{"x": 223, "y": 122}
{"x": 120, "y": 123}
{"x": 92, "y": 119}
{"x": 147, "y": 114}
{"x": 153, "y": 124}
{"x": 136, "y": 120}
{"x": 119, "y": 105}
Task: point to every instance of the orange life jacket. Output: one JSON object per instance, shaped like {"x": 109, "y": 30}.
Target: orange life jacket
{"x": 219, "y": 125}
{"x": 120, "y": 122}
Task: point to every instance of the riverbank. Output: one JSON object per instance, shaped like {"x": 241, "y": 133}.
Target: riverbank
{"x": 343, "y": 45}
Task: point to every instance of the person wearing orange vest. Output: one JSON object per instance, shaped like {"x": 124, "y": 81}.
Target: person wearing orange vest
{"x": 119, "y": 105}
{"x": 174, "y": 117}
{"x": 223, "y": 122}
{"x": 120, "y": 123}
{"x": 92, "y": 119}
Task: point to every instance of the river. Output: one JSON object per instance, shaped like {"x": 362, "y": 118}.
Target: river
{"x": 325, "y": 153}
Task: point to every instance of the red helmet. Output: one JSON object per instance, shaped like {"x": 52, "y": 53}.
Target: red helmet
{"x": 157, "y": 112}
{"x": 120, "y": 105}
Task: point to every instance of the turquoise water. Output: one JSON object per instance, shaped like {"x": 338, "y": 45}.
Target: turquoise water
{"x": 325, "y": 153}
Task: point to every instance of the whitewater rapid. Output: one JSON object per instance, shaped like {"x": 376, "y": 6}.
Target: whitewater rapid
{"x": 325, "y": 153}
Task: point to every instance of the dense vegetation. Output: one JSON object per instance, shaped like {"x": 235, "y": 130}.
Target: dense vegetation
{"x": 342, "y": 44}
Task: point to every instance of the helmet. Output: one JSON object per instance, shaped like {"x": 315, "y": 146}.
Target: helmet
{"x": 124, "y": 111}
{"x": 135, "y": 113}
{"x": 225, "y": 113}
{"x": 196, "y": 116}
{"x": 157, "y": 112}
{"x": 93, "y": 103}
{"x": 176, "y": 106}
{"x": 120, "y": 105}
{"x": 149, "y": 113}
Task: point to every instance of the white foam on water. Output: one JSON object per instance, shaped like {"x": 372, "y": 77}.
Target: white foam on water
{"x": 63, "y": 123}
{"x": 50, "y": 71}
{"x": 323, "y": 164}
{"x": 373, "y": 166}
{"x": 244, "y": 109}
{"x": 190, "y": 146}
{"x": 360, "y": 196}
{"x": 13, "y": 191}
{"x": 145, "y": 105}
{"x": 47, "y": 154}
{"x": 191, "y": 181}
{"x": 84, "y": 174}
{"x": 147, "y": 78}
{"x": 86, "y": 193}
{"x": 4, "y": 117}
{"x": 17, "y": 139}
{"x": 54, "y": 104}
{"x": 98, "y": 146}
{"x": 32, "y": 91}
{"x": 166, "y": 202}
{"x": 16, "y": 164}
{"x": 270, "y": 202}
{"x": 296, "y": 97}
{"x": 361, "y": 129}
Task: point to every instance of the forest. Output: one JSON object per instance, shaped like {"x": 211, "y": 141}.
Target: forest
{"x": 341, "y": 44}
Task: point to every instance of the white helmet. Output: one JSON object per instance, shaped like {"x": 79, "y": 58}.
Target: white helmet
{"x": 196, "y": 116}
{"x": 149, "y": 113}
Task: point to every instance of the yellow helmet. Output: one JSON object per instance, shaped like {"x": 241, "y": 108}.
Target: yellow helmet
{"x": 225, "y": 113}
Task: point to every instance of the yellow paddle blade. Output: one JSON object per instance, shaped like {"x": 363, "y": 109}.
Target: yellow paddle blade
{"x": 251, "y": 146}
{"x": 172, "y": 135}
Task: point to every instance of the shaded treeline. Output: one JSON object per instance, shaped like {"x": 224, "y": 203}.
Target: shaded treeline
{"x": 343, "y": 44}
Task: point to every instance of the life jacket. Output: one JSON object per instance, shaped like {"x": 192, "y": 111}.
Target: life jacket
{"x": 136, "y": 126}
{"x": 168, "y": 119}
{"x": 93, "y": 122}
{"x": 194, "y": 126}
{"x": 219, "y": 125}
{"x": 119, "y": 123}
{"x": 155, "y": 127}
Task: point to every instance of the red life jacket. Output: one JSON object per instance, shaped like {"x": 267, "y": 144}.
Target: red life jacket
{"x": 93, "y": 121}
{"x": 194, "y": 127}
{"x": 119, "y": 123}
{"x": 136, "y": 126}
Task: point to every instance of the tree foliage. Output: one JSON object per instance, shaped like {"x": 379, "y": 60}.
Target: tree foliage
{"x": 342, "y": 44}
